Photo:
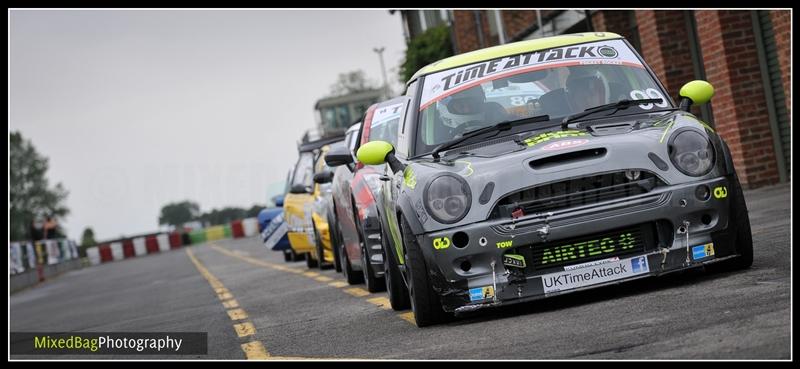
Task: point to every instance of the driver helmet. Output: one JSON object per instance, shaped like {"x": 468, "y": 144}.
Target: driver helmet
{"x": 586, "y": 88}
{"x": 463, "y": 107}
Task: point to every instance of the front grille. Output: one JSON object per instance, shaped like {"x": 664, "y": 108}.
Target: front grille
{"x": 617, "y": 243}
{"x": 573, "y": 193}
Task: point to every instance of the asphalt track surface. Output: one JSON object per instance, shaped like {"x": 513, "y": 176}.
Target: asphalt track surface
{"x": 254, "y": 305}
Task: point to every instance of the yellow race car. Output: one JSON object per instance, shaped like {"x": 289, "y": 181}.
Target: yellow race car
{"x": 308, "y": 228}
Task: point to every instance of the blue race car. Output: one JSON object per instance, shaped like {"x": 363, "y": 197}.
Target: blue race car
{"x": 274, "y": 230}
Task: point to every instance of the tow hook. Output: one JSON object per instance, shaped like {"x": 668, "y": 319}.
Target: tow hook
{"x": 684, "y": 229}
{"x": 545, "y": 229}
{"x": 494, "y": 283}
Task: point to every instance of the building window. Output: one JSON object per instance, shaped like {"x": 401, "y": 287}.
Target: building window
{"x": 342, "y": 116}
{"x": 328, "y": 117}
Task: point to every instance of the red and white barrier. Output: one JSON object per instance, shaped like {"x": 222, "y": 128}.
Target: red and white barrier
{"x": 163, "y": 242}
{"x": 93, "y": 253}
{"x": 250, "y": 226}
{"x": 139, "y": 247}
{"x": 116, "y": 251}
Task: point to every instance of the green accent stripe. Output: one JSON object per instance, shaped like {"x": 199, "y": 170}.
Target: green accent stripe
{"x": 665, "y": 131}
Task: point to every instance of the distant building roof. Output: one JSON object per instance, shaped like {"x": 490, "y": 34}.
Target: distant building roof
{"x": 343, "y": 99}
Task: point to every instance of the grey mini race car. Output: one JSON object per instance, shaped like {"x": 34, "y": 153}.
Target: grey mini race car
{"x": 546, "y": 167}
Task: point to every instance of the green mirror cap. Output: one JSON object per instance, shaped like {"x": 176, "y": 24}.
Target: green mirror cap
{"x": 700, "y": 92}
{"x": 374, "y": 152}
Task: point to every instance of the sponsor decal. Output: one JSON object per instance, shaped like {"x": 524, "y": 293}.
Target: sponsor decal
{"x": 505, "y": 244}
{"x": 547, "y": 136}
{"x": 558, "y": 145}
{"x": 703, "y": 251}
{"x": 605, "y": 272}
{"x": 591, "y": 263}
{"x": 584, "y": 249}
{"x": 514, "y": 260}
{"x": 639, "y": 265}
{"x": 607, "y": 51}
{"x": 386, "y": 114}
{"x": 481, "y": 293}
{"x": 441, "y": 243}
{"x": 720, "y": 192}
{"x": 467, "y": 170}
{"x": 442, "y": 84}
{"x": 409, "y": 178}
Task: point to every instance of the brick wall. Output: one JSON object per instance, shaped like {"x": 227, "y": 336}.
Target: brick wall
{"x": 515, "y": 21}
{"x": 781, "y": 24}
{"x": 665, "y": 47}
{"x": 465, "y": 30}
{"x": 616, "y": 21}
{"x": 740, "y": 109}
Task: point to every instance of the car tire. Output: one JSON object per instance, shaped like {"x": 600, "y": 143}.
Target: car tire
{"x": 425, "y": 302}
{"x": 395, "y": 287}
{"x": 288, "y": 255}
{"x": 350, "y": 275}
{"x": 310, "y": 262}
{"x": 320, "y": 252}
{"x": 744, "y": 238}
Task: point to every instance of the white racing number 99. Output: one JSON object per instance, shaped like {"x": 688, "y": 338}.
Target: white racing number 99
{"x": 650, "y": 93}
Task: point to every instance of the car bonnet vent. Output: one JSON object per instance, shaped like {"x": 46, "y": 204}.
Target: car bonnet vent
{"x": 570, "y": 157}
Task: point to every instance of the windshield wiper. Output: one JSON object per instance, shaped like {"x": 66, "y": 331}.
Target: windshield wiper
{"x": 622, "y": 104}
{"x": 502, "y": 126}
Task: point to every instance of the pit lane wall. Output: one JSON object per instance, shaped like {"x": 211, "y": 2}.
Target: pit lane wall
{"x": 31, "y": 262}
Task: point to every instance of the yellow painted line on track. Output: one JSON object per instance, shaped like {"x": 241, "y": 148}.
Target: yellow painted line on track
{"x": 409, "y": 317}
{"x": 254, "y": 350}
{"x": 244, "y": 329}
{"x": 380, "y": 301}
{"x": 356, "y": 291}
{"x": 237, "y": 314}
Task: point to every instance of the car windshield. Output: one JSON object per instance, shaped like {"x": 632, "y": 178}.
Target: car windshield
{"x": 556, "y": 82}
{"x": 385, "y": 123}
{"x": 304, "y": 170}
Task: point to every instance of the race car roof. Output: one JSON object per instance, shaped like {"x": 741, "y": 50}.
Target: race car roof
{"x": 513, "y": 48}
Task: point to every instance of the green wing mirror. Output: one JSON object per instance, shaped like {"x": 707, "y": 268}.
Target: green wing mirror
{"x": 696, "y": 92}
{"x": 379, "y": 152}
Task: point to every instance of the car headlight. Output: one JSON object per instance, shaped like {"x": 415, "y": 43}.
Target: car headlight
{"x": 691, "y": 152}
{"x": 448, "y": 198}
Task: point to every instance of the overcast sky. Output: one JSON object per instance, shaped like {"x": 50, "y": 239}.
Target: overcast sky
{"x": 136, "y": 109}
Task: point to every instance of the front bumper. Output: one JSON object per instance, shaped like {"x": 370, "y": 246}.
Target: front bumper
{"x": 472, "y": 274}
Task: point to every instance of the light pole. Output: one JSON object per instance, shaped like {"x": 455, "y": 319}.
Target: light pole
{"x": 379, "y": 50}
